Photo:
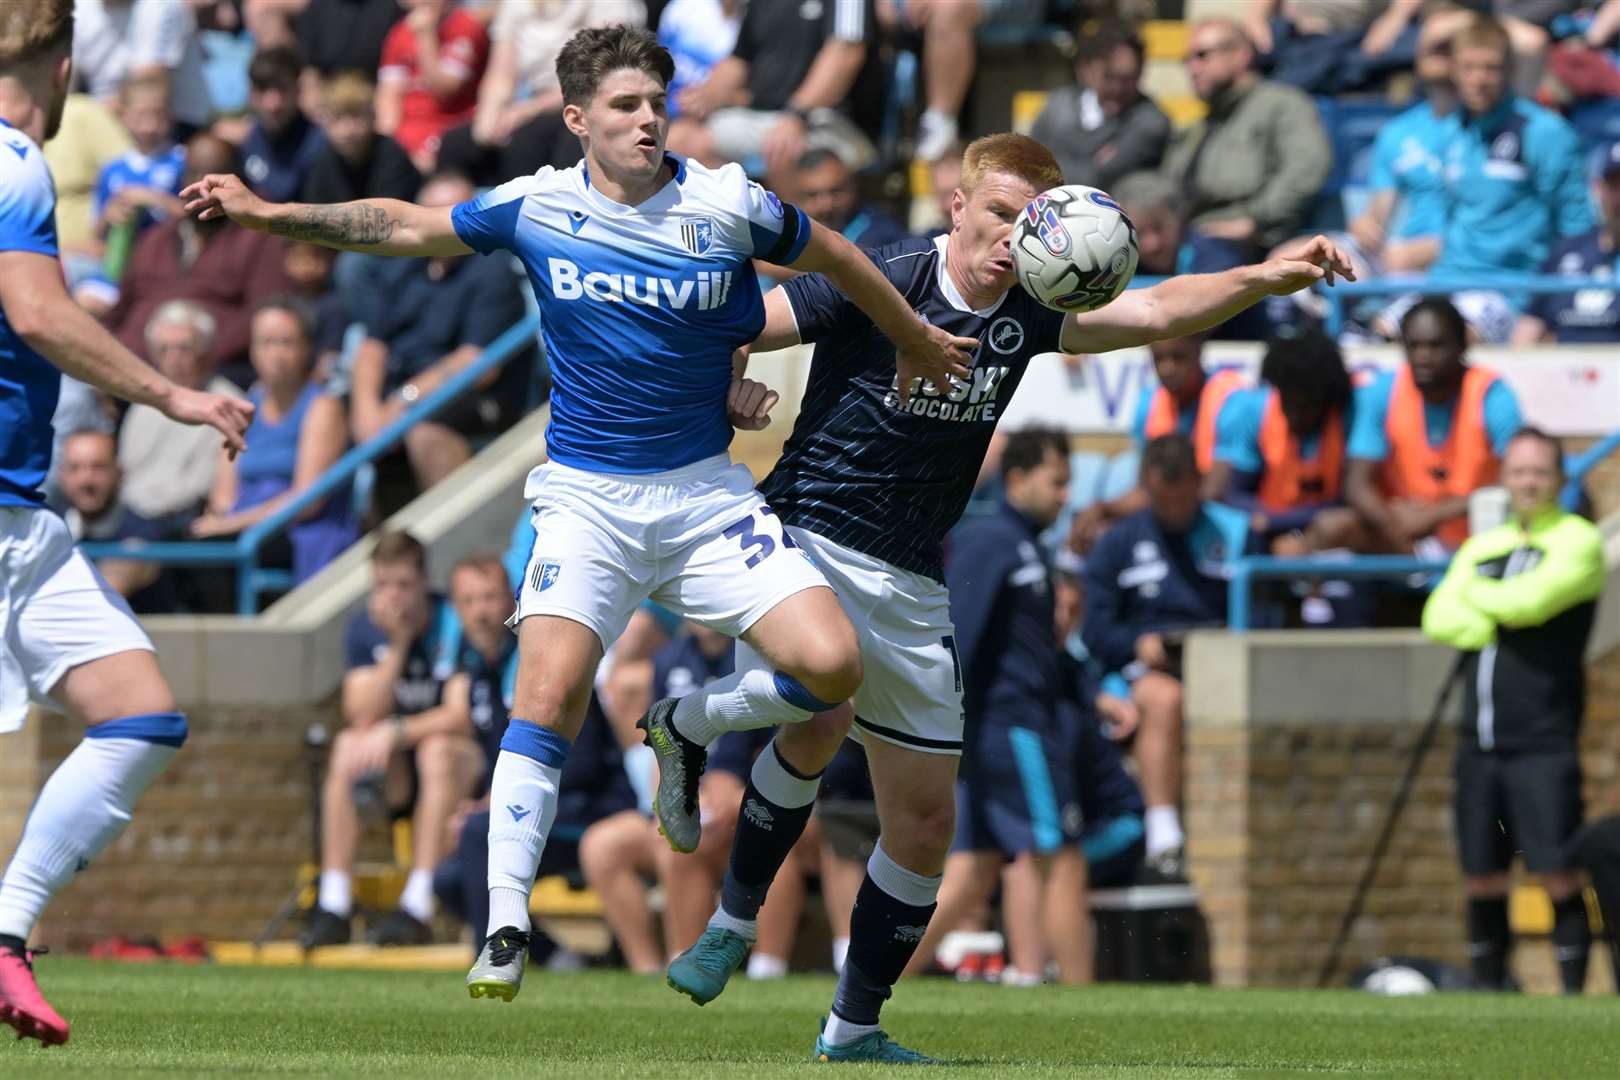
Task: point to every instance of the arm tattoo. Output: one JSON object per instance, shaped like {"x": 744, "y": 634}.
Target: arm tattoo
{"x": 350, "y": 224}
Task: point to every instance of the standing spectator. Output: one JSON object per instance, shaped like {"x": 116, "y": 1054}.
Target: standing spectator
{"x": 1280, "y": 447}
{"x": 427, "y": 82}
{"x": 1249, "y": 170}
{"x": 440, "y": 319}
{"x": 512, "y": 133}
{"x": 1515, "y": 174}
{"x": 1582, "y": 316}
{"x": 786, "y": 86}
{"x": 169, "y": 466}
{"x": 402, "y": 741}
{"x": 1110, "y": 801}
{"x": 356, "y": 162}
{"x": 297, "y": 433}
{"x": 283, "y": 144}
{"x": 1103, "y": 128}
{"x": 949, "y": 56}
{"x": 1154, "y": 205}
{"x": 96, "y": 511}
{"x": 827, "y": 191}
{"x": 1519, "y": 600}
{"x": 115, "y": 39}
{"x": 698, "y": 34}
{"x": 225, "y": 270}
{"x": 1188, "y": 401}
{"x": 1425, "y": 437}
{"x": 1153, "y": 576}
{"x": 140, "y": 187}
{"x": 1014, "y": 778}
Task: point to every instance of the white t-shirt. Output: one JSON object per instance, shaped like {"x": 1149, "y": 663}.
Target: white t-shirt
{"x": 168, "y": 466}
{"x": 110, "y": 39}
{"x": 538, "y": 29}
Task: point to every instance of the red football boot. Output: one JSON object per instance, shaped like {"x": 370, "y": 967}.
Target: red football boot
{"x": 21, "y": 1004}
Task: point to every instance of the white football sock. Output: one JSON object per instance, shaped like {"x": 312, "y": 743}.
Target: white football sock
{"x": 761, "y": 966}
{"x": 522, "y": 806}
{"x": 741, "y": 702}
{"x": 337, "y": 892}
{"x": 1163, "y": 826}
{"x": 724, "y": 920}
{"x": 417, "y": 899}
{"x": 84, "y": 805}
{"x": 840, "y": 1031}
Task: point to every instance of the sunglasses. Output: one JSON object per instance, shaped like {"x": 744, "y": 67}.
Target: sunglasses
{"x": 1200, "y": 55}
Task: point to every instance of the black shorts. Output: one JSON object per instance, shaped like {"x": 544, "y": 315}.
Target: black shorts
{"x": 1525, "y": 803}
{"x": 479, "y": 413}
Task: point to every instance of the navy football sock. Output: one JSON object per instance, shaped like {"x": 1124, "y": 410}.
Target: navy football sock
{"x": 884, "y": 931}
{"x": 1572, "y": 941}
{"x": 1488, "y": 940}
{"x": 776, "y": 807}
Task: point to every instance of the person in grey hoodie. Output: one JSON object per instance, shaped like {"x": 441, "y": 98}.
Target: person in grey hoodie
{"x": 1104, "y": 127}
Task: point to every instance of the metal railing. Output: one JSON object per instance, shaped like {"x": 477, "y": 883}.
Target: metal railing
{"x": 243, "y": 552}
{"x": 1345, "y": 292}
{"x": 1250, "y": 568}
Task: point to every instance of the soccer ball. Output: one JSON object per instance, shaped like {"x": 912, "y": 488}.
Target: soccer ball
{"x": 1074, "y": 249}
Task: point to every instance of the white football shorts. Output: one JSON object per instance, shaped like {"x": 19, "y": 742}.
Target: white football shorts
{"x": 912, "y": 693}
{"x": 57, "y": 610}
{"x": 699, "y": 540}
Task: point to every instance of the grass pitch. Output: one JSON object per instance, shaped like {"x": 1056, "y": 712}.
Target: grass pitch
{"x": 212, "y": 1021}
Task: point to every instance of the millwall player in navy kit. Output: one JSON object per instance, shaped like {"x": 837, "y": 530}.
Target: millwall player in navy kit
{"x": 641, "y": 265}
{"x": 868, "y": 485}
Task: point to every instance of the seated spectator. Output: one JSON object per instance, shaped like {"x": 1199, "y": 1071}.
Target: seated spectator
{"x": 91, "y": 138}
{"x": 405, "y": 744}
{"x": 1332, "y": 46}
{"x": 1014, "y": 780}
{"x": 297, "y": 433}
{"x": 1154, "y": 205}
{"x": 1526, "y": 24}
{"x": 1424, "y": 438}
{"x": 1104, "y": 128}
{"x": 309, "y": 268}
{"x": 950, "y": 55}
{"x": 1515, "y": 175}
{"x": 356, "y": 162}
{"x": 802, "y": 77}
{"x": 115, "y": 39}
{"x": 1188, "y": 401}
{"x": 1251, "y": 169}
{"x": 698, "y": 34}
{"x": 169, "y": 466}
{"x": 443, "y": 314}
{"x": 1280, "y": 447}
{"x": 1582, "y": 316}
{"x": 95, "y": 511}
{"x": 944, "y": 177}
{"x": 141, "y": 186}
{"x": 336, "y": 36}
{"x": 597, "y": 830}
{"x": 827, "y": 191}
{"x": 1152, "y": 577}
{"x": 513, "y": 134}
{"x": 427, "y": 80}
{"x": 283, "y": 144}
{"x": 225, "y": 269}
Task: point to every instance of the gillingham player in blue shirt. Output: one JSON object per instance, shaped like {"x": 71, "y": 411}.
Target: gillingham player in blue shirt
{"x": 868, "y": 484}
{"x": 69, "y": 641}
{"x": 640, "y": 262}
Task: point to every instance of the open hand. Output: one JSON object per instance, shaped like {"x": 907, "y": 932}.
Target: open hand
{"x": 938, "y": 358}
{"x": 749, "y": 403}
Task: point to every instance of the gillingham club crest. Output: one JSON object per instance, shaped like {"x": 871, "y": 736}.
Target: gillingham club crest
{"x": 697, "y": 235}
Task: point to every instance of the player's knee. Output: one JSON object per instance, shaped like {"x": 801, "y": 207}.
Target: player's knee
{"x": 830, "y": 667}
{"x": 924, "y": 838}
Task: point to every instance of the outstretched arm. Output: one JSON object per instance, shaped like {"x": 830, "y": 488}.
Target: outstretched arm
{"x": 38, "y": 308}
{"x": 1195, "y": 302}
{"x": 378, "y": 226}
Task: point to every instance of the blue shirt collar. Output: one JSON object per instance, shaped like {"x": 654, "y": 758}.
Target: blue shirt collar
{"x": 1493, "y": 119}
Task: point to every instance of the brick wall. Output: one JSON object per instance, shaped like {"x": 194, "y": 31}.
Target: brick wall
{"x": 215, "y": 844}
{"x": 1281, "y": 818}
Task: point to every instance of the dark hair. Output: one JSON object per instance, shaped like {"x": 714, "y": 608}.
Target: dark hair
{"x": 1535, "y": 434}
{"x": 1026, "y": 448}
{"x": 484, "y": 563}
{"x": 592, "y": 54}
{"x": 1307, "y": 367}
{"x": 1170, "y": 457}
{"x": 814, "y": 159}
{"x": 278, "y": 65}
{"x": 293, "y": 306}
{"x": 1100, "y": 41}
{"x": 1442, "y": 309}
{"x": 395, "y": 546}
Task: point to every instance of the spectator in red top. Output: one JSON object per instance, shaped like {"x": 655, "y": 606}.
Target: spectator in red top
{"x": 225, "y": 270}
{"x": 432, "y": 61}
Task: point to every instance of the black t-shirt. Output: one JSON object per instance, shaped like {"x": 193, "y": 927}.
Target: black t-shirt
{"x": 780, "y": 40}
{"x": 859, "y": 470}
{"x": 431, "y": 662}
{"x": 345, "y": 35}
{"x": 387, "y": 174}
{"x": 473, "y": 304}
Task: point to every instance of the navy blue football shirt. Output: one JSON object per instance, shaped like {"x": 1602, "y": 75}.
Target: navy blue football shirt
{"x": 864, "y": 472}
